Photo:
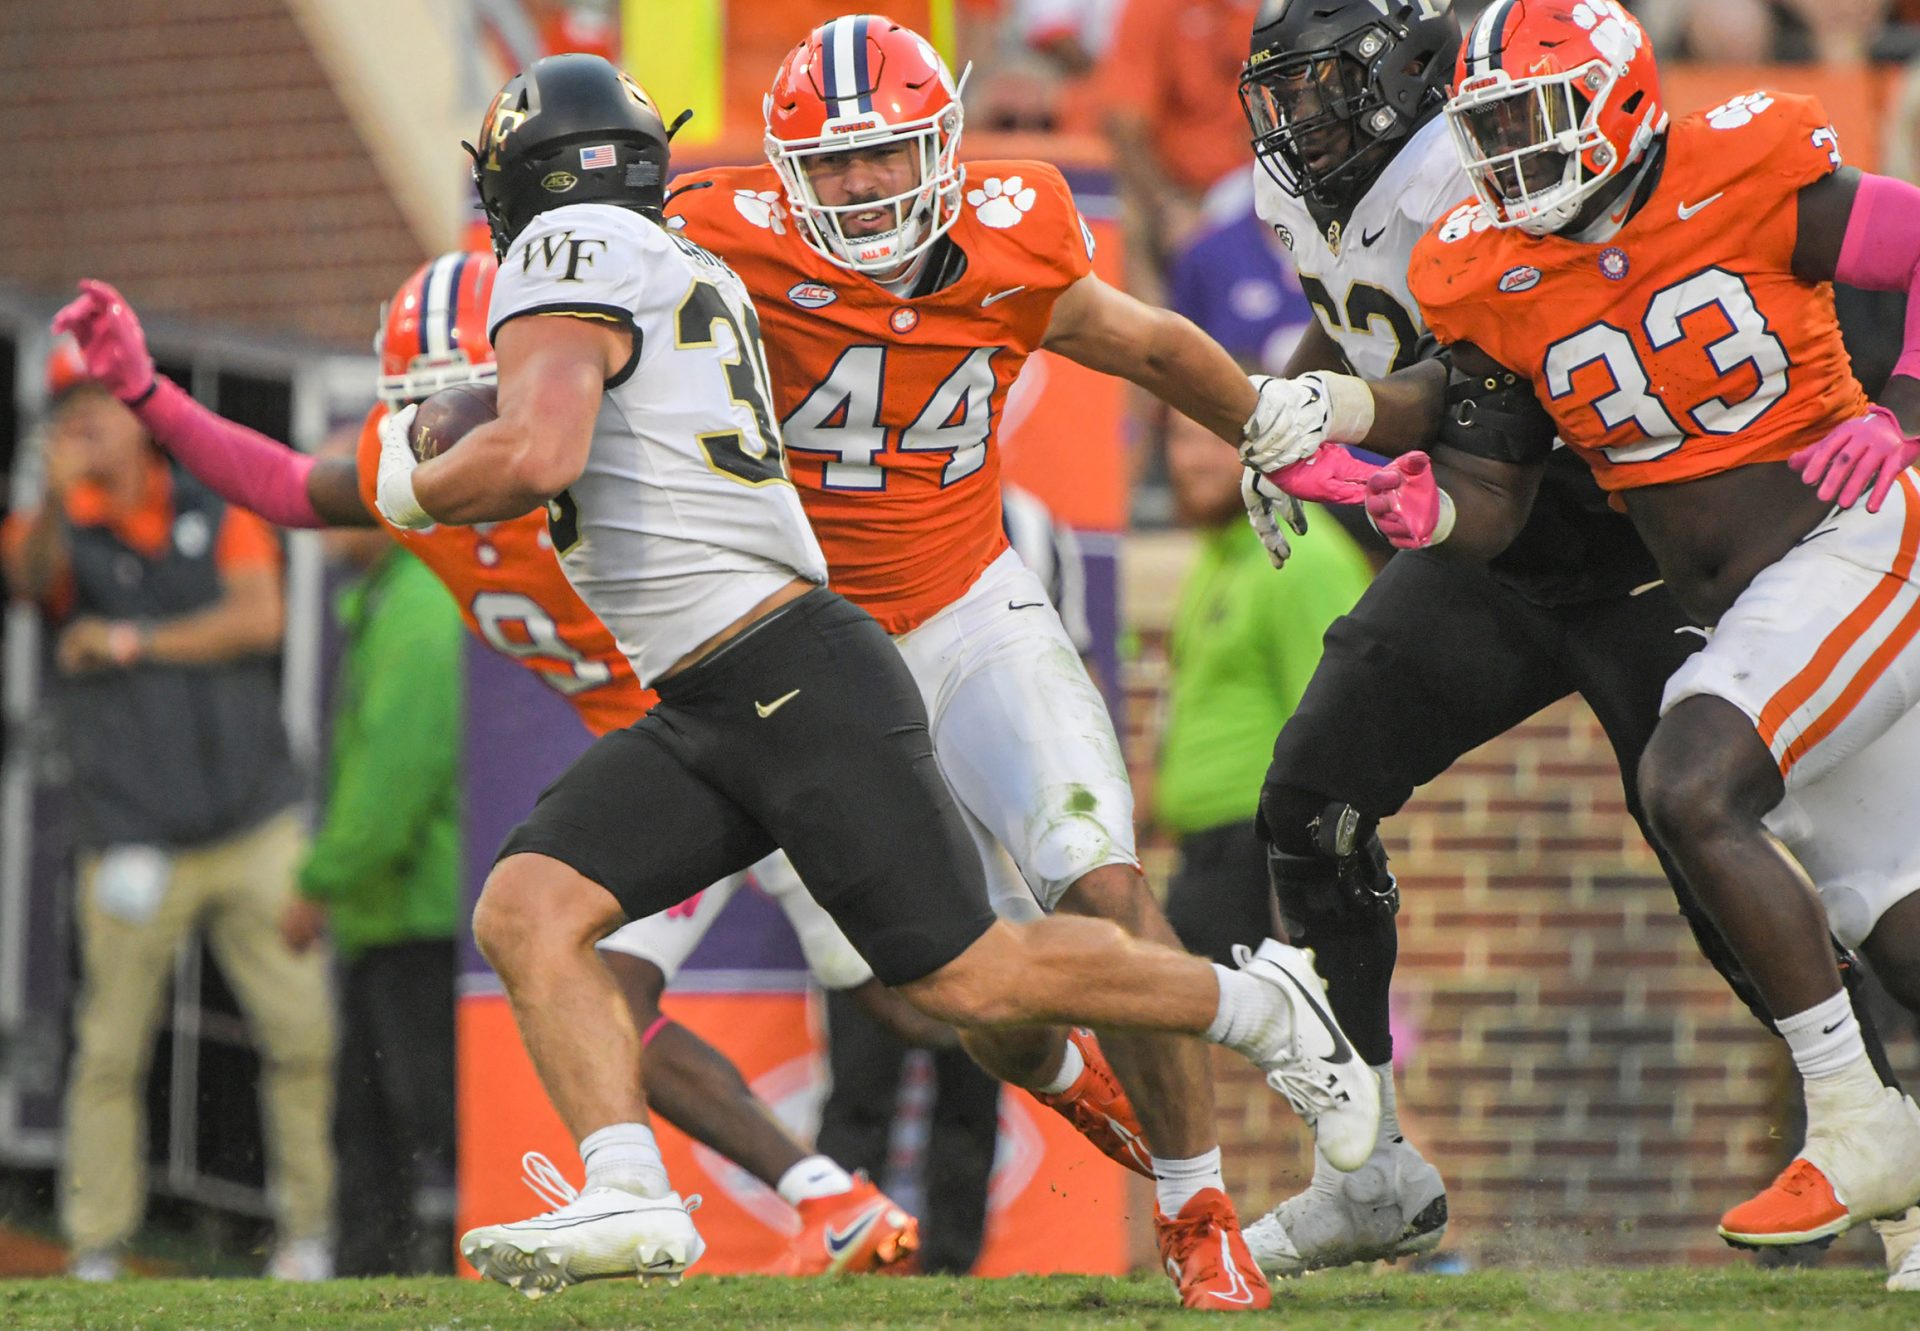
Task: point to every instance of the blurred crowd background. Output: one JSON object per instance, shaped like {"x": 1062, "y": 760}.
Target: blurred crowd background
{"x": 212, "y": 1023}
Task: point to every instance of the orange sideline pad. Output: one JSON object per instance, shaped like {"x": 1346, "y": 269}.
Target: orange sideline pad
{"x": 1056, "y": 1206}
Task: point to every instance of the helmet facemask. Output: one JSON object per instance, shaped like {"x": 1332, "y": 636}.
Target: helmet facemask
{"x": 920, "y": 213}
{"x": 1533, "y": 147}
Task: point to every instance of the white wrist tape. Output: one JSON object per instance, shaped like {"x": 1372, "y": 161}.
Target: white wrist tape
{"x": 399, "y": 504}
{"x": 1443, "y": 524}
{"x": 1349, "y": 406}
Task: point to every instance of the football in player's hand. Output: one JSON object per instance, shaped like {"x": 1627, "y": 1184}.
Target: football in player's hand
{"x": 444, "y": 419}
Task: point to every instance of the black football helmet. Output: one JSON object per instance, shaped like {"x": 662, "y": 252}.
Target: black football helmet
{"x": 568, "y": 129}
{"x": 1331, "y": 85}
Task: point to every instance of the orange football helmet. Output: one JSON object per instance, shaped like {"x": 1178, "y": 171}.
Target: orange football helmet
{"x": 860, "y": 82}
{"x": 433, "y": 333}
{"x": 1552, "y": 99}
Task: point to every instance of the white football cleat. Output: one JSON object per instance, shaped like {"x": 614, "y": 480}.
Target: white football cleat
{"x": 599, "y": 1234}
{"x": 1393, "y": 1206}
{"x": 1327, "y": 1084}
{"x": 1901, "y": 1236}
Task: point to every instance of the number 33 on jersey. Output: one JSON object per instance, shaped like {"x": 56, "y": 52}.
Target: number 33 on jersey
{"x": 889, "y": 404}
{"x": 1683, "y": 346}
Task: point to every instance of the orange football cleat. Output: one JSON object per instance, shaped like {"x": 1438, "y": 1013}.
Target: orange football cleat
{"x": 851, "y": 1233}
{"x": 1208, "y": 1259}
{"x": 1097, "y": 1106}
{"x": 1800, "y": 1206}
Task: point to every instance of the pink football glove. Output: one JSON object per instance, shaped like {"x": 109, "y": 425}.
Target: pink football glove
{"x": 1869, "y": 450}
{"x": 1406, "y": 504}
{"x": 110, "y": 340}
{"x": 1330, "y": 476}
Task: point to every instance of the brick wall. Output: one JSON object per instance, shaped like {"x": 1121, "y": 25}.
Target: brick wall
{"x": 192, "y": 152}
{"x": 1588, "y": 1087}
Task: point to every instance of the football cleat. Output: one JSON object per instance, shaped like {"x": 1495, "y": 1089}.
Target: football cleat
{"x": 1327, "y": 1084}
{"x": 1207, "y": 1258}
{"x": 1902, "y": 1239}
{"x": 851, "y": 1232}
{"x": 1097, "y": 1106}
{"x": 599, "y": 1234}
{"x": 1393, "y": 1206}
{"x": 1861, "y": 1162}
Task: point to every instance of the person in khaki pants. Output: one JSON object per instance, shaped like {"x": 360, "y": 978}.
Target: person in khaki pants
{"x": 167, "y": 608}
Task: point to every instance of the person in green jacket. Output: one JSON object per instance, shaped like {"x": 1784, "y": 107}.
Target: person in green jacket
{"x": 1243, "y": 644}
{"x": 383, "y": 881}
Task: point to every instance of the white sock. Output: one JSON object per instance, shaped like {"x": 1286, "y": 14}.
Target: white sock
{"x": 1389, "y": 1106}
{"x": 816, "y": 1176}
{"x": 1824, "y": 1039}
{"x": 626, "y": 1157}
{"x": 1072, "y": 1064}
{"x": 1175, "y": 1182}
{"x": 1254, "y": 1018}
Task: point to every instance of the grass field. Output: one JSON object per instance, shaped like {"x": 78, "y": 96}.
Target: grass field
{"x": 1670, "y": 1300}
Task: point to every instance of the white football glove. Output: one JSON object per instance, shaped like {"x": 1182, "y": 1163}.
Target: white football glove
{"x": 1267, "y": 507}
{"x": 1293, "y": 417}
{"x": 393, "y": 490}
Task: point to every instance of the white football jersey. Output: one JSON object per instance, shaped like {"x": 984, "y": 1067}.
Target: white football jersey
{"x": 684, "y": 518}
{"x": 1358, "y": 282}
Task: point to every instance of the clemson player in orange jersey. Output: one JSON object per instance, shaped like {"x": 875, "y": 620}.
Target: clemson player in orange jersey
{"x": 900, "y": 292}
{"x": 1660, "y": 296}
{"x": 515, "y": 598}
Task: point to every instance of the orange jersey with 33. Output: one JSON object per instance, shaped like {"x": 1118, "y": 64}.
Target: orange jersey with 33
{"x": 1684, "y": 345}
{"x": 888, "y": 406}
{"x": 516, "y": 598}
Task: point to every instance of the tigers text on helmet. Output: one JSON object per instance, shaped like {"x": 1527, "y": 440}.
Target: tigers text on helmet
{"x": 1330, "y": 84}
{"x": 568, "y": 129}
{"x": 1552, "y": 99}
{"x": 433, "y": 333}
{"x": 858, "y": 84}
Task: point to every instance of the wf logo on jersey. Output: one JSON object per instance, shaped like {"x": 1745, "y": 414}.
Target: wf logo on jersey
{"x": 1002, "y": 203}
{"x": 551, "y": 250}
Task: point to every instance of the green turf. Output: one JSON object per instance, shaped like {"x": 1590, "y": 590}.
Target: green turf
{"x": 1670, "y": 1300}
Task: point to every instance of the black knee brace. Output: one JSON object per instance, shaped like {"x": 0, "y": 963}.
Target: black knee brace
{"x": 1344, "y": 882}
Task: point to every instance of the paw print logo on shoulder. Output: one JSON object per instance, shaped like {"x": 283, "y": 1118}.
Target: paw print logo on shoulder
{"x": 1464, "y": 221}
{"x": 1001, "y": 203}
{"x": 763, "y": 208}
{"x": 1739, "y": 111}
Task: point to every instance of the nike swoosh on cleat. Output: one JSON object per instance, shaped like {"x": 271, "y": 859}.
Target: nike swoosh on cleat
{"x": 1342, "y": 1051}
{"x": 1689, "y": 209}
{"x": 838, "y": 1241}
{"x": 1240, "y": 1290}
{"x": 767, "y": 709}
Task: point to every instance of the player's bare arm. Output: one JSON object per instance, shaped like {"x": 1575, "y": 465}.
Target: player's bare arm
{"x": 552, "y": 370}
{"x": 1105, "y": 329}
{"x": 1316, "y": 350}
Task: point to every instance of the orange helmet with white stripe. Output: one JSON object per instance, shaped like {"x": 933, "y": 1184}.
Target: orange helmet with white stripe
{"x": 433, "y": 333}
{"x": 1551, "y": 100}
{"x": 862, "y": 82}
